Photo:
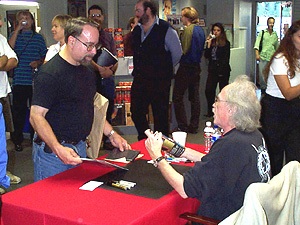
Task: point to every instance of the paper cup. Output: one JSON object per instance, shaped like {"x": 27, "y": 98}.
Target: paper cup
{"x": 179, "y": 137}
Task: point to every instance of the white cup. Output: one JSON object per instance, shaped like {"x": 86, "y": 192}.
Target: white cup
{"x": 179, "y": 137}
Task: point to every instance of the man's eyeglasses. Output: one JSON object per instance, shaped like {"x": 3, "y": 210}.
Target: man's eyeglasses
{"x": 219, "y": 100}
{"x": 96, "y": 15}
{"x": 89, "y": 47}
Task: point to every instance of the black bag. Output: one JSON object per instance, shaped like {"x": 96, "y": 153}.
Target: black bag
{"x": 261, "y": 41}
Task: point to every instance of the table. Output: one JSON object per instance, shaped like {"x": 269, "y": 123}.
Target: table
{"x": 58, "y": 200}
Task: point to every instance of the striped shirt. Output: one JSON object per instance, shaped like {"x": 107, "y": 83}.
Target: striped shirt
{"x": 29, "y": 47}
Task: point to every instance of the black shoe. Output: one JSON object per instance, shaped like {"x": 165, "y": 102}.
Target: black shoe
{"x": 108, "y": 146}
{"x": 18, "y": 148}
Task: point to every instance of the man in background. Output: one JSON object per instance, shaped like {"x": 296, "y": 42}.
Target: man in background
{"x": 188, "y": 74}
{"x": 105, "y": 79}
{"x": 269, "y": 43}
{"x": 31, "y": 50}
{"x": 157, "y": 50}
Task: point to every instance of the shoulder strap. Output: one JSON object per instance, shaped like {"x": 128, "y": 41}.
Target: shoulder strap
{"x": 261, "y": 41}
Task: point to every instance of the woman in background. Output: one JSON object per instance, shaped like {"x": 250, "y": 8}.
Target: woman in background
{"x": 58, "y": 28}
{"x": 280, "y": 117}
{"x": 218, "y": 53}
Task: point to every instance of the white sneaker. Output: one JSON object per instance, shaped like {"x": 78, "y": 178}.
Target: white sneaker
{"x": 13, "y": 178}
{"x": 2, "y": 191}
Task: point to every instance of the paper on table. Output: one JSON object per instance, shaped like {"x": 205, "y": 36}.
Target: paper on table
{"x": 91, "y": 185}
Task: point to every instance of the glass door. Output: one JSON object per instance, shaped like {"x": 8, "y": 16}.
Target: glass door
{"x": 280, "y": 10}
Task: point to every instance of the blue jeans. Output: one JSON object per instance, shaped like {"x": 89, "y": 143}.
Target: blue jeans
{"x": 48, "y": 164}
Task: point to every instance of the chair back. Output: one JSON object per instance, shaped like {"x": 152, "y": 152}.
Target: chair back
{"x": 276, "y": 202}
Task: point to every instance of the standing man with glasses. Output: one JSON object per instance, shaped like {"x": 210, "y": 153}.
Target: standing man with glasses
{"x": 63, "y": 103}
{"x": 157, "y": 50}
{"x": 105, "y": 79}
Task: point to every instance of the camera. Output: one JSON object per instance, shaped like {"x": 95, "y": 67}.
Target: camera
{"x": 24, "y": 23}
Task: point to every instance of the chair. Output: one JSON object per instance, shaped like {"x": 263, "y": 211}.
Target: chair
{"x": 276, "y": 202}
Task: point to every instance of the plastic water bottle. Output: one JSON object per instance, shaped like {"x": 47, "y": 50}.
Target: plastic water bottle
{"x": 208, "y": 131}
{"x": 217, "y": 134}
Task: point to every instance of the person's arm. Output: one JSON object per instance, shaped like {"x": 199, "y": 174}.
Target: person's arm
{"x": 14, "y": 36}
{"x": 37, "y": 63}
{"x": 192, "y": 155}
{"x": 256, "y": 46}
{"x": 153, "y": 144}
{"x": 45, "y": 132}
{"x": 172, "y": 43}
{"x": 9, "y": 58}
{"x": 115, "y": 138}
{"x": 285, "y": 87}
{"x": 11, "y": 63}
{"x": 3, "y": 62}
{"x": 104, "y": 71}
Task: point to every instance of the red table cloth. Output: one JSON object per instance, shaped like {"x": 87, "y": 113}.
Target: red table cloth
{"x": 58, "y": 200}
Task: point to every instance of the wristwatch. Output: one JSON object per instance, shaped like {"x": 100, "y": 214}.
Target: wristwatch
{"x": 110, "y": 133}
{"x": 156, "y": 161}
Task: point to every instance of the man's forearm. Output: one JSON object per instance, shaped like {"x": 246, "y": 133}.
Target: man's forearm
{"x": 11, "y": 63}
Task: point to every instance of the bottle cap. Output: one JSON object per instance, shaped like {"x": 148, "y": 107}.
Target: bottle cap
{"x": 208, "y": 123}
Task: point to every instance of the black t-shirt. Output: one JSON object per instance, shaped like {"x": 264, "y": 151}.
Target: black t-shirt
{"x": 221, "y": 178}
{"x": 68, "y": 92}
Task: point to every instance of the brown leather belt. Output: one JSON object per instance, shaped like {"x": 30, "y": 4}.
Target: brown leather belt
{"x": 47, "y": 149}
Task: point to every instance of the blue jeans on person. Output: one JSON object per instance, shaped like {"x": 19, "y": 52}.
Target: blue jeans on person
{"x": 48, "y": 164}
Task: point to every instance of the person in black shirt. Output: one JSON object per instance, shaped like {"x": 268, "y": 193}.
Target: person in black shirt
{"x": 62, "y": 108}
{"x": 220, "y": 178}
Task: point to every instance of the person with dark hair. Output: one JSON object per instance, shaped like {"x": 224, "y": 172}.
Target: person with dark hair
{"x": 157, "y": 50}
{"x": 127, "y": 38}
{"x": 105, "y": 79}
{"x": 58, "y": 28}
{"x": 218, "y": 54}
{"x": 188, "y": 74}
{"x": 31, "y": 50}
{"x": 280, "y": 116}
{"x": 265, "y": 45}
{"x": 62, "y": 108}
{"x": 220, "y": 178}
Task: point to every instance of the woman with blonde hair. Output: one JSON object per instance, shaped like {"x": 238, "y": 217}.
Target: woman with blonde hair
{"x": 58, "y": 28}
{"x": 187, "y": 77}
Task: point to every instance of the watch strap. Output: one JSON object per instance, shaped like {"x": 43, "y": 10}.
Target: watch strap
{"x": 110, "y": 133}
{"x": 156, "y": 161}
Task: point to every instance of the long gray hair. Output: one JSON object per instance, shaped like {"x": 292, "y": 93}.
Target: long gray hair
{"x": 241, "y": 97}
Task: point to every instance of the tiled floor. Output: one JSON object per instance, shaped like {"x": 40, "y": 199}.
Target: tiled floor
{"x": 20, "y": 163}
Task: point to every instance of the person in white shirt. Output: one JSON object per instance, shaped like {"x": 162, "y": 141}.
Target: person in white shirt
{"x": 280, "y": 116}
{"x": 8, "y": 61}
{"x": 58, "y": 28}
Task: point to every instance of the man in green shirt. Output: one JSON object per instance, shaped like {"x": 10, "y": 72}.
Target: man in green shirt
{"x": 269, "y": 45}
